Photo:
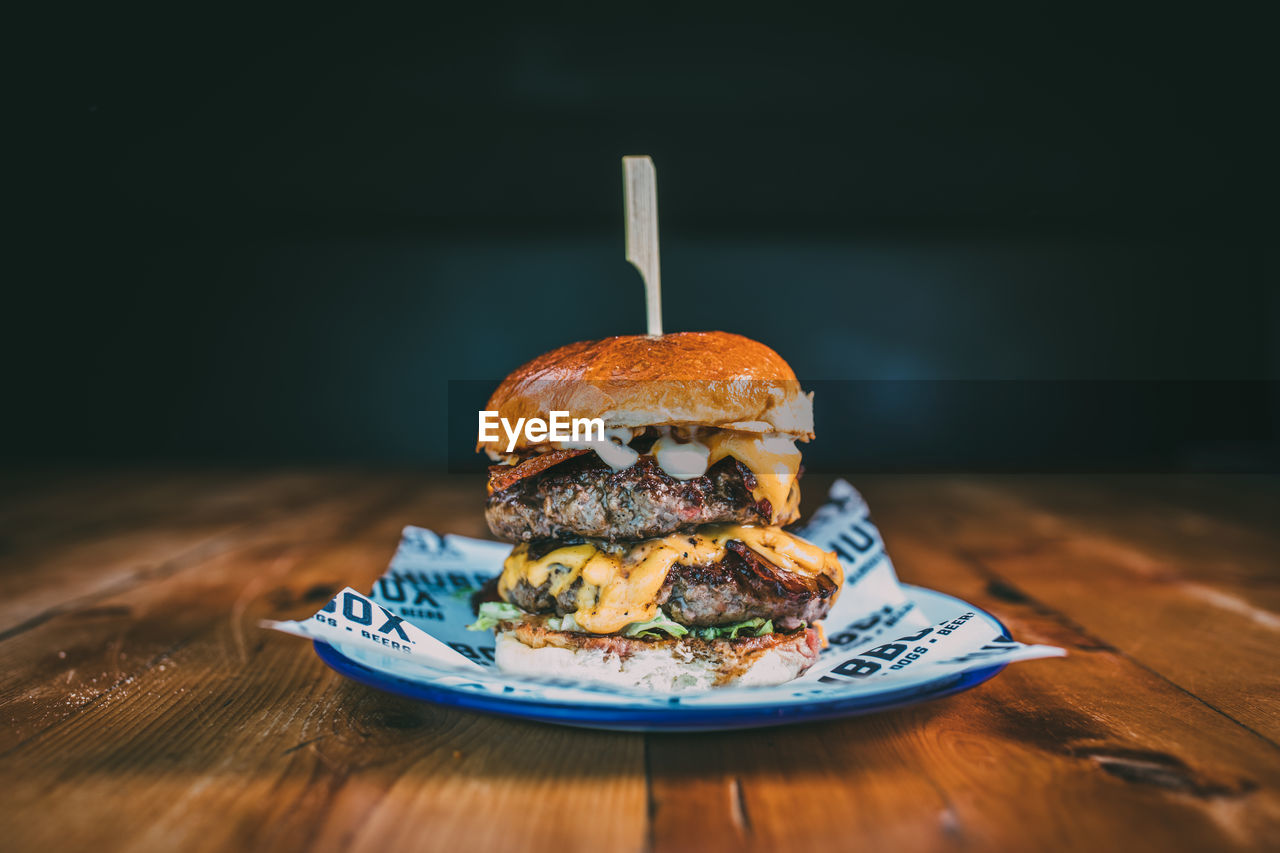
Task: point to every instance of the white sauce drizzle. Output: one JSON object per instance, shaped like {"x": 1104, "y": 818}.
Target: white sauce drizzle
{"x": 681, "y": 460}
{"x": 613, "y": 451}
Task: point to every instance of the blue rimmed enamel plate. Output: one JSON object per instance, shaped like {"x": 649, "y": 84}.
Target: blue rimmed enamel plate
{"x": 491, "y": 693}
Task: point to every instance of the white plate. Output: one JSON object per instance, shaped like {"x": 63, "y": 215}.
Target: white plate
{"x": 579, "y": 705}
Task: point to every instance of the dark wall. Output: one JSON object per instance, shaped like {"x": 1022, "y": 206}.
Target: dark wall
{"x": 1031, "y": 241}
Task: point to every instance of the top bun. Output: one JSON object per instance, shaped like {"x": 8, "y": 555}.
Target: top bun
{"x": 714, "y": 379}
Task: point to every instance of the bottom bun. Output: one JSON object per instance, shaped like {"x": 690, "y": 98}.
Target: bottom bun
{"x": 664, "y": 666}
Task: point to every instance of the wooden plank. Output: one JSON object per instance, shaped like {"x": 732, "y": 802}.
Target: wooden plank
{"x": 173, "y": 722}
{"x": 109, "y": 534}
{"x": 238, "y": 738}
{"x": 87, "y": 652}
{"x": 287, "y": 756}
{"x": 1209, "y": 533}
{"x": 1190, "y": 596}
{"x": 1241, "y": 500}
{"x": 1089, "y": 752}
{"x": 43, "y": 509}
{"x": 1169, "y": 764}
{"x": 822, "y": 786}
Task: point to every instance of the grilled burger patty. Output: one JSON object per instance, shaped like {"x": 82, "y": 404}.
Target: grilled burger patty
{"x": 743, "y": 585}
{"x": 583, "y": 497}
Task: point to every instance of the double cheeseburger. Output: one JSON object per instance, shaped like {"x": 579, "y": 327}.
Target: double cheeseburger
{"x": 657, "y": 557}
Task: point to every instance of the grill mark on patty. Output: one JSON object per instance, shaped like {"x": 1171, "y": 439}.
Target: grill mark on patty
{"x": 583, "y": 497}
{"x": 744, "y": 585}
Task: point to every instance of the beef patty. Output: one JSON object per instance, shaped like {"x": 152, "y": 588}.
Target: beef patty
{"x": 583, "y": 497}
{"x": 743, "y": 585}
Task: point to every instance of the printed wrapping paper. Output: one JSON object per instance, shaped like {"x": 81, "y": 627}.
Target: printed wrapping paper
{"x": 881, "y": 636}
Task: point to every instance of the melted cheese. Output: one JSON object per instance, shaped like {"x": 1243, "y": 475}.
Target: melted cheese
{"x": 620, "y": 588}
{"x": 774, "y": 459}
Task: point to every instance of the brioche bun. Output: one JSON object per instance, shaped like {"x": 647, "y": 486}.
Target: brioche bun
{"x": 663, "y": 666}
{"x": 714, "y": 379}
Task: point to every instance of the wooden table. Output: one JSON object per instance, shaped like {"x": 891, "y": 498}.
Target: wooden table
{"x": 143, "y": 708}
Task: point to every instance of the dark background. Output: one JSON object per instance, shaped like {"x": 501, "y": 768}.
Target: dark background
{"x": 1030, "y": 241}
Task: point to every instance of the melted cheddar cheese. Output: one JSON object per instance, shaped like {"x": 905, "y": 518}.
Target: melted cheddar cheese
{"x": 618, "y": 588}
{"x": 774, "y": 459}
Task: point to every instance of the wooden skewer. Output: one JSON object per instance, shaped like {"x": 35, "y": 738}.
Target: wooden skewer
{"x": 640, "y": 191}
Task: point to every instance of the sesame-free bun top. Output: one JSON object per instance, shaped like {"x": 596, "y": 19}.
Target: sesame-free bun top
{"x": 712, "y": 379}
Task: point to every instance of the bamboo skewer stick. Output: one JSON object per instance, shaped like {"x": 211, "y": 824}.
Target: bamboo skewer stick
{"x": 640, "y": 193}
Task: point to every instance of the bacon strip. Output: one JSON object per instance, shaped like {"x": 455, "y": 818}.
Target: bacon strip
{"x": 761, "y": 574}
{"x": 505, "y": 476}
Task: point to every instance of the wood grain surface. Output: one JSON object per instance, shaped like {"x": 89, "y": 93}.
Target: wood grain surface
{"x": 144, "y": 709}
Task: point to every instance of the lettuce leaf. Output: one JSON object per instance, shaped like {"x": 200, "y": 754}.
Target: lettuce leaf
{"x": 493, "y": 612}
{"x": 755, "y": 627}
{"x": 564, "y": 623}
{"x": 650, "y": 630}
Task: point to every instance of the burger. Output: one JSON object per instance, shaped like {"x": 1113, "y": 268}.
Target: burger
{"x": 654, "y": 553}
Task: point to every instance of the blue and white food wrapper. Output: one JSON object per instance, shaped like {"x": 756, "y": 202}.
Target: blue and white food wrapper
{"x": 413, "y": 624}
